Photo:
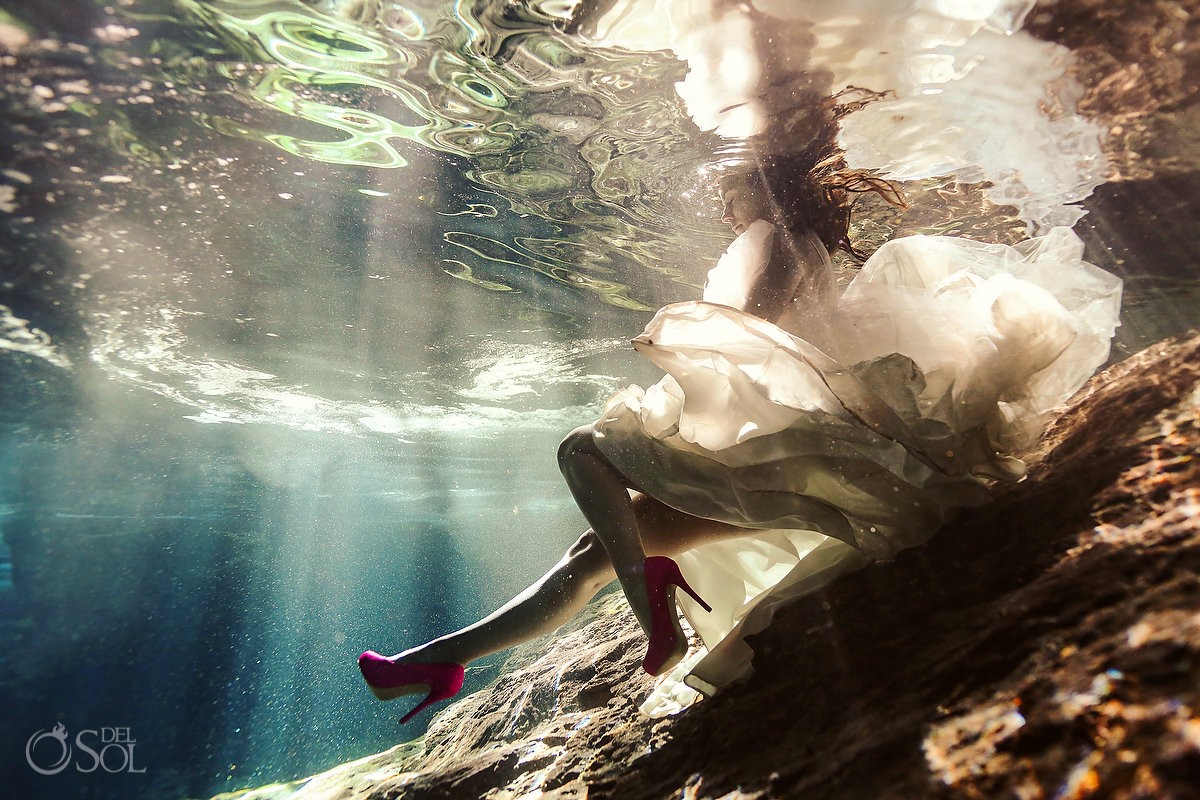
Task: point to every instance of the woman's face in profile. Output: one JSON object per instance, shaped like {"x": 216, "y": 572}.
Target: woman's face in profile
{"x": 742, "y": 205}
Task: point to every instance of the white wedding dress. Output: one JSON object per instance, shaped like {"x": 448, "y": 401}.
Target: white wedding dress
{"x": 850, "y": 430}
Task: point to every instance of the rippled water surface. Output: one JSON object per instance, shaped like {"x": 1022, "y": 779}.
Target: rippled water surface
{"x": 297, "y": 300}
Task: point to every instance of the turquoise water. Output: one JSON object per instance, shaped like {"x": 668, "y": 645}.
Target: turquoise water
{"x": 297, "y": 301}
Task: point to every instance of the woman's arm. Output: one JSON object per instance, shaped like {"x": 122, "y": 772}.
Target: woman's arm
{"x": 797, "y": 271}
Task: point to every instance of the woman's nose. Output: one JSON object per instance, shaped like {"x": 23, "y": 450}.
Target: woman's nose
{"x": 727, "y": 213}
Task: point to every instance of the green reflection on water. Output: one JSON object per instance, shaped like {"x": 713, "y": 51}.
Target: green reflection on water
{"x": 504, "y": 257}
{"x": 322, "y": 70}
{"x": 367, "y": 139}
{"x": 591, "y": 142}
{"x": 457, "y": 269}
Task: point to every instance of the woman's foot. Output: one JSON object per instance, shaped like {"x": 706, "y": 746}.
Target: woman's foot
{"x": 389, "y": 678}
{"x": 667, "y": 643}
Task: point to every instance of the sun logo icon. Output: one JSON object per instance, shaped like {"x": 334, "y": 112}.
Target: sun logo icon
{"x": 59, "y": 735}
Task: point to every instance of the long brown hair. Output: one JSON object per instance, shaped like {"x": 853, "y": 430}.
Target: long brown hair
{"x": 812, "y": 188}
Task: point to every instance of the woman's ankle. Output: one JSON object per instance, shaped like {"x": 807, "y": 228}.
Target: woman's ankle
{"x": 435, "y": 652}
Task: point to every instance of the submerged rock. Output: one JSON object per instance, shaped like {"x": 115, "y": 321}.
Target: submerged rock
{"x": 1047, "y": 644}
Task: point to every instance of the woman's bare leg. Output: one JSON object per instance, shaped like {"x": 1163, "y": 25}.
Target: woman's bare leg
{"x": 602, "y": 494}
{"x": 563, "y": 591}
{"x": 544, "y": 606}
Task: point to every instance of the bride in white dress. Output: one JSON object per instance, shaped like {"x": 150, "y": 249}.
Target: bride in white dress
{"x": 798, "y": 435}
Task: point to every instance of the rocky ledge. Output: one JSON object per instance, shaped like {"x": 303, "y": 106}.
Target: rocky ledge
{"x": 1046, "y": 645}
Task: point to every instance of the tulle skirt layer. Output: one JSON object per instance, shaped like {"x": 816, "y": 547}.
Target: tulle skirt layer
{"x": 897, "y": 408}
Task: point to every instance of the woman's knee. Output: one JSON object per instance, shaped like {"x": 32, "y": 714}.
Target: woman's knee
{"x": 577, "y": 442}
{"x": 589, "y": 560}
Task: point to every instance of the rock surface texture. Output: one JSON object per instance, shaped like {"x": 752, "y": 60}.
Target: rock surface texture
{"x": 1046, "y": 645}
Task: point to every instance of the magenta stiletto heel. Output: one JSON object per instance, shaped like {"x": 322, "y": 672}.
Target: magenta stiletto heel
{"x": 667, "y": 642}
{"x": 390, "y": 679}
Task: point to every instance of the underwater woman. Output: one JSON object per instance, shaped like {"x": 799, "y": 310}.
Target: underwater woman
{"x": 798, "y": 435}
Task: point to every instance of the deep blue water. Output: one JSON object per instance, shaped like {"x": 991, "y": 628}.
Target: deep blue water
{"x": 294, "y": 310}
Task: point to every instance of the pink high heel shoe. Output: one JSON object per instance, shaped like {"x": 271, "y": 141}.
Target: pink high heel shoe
{"x": 390, "y": 679}
{"x": 667, "y": 643}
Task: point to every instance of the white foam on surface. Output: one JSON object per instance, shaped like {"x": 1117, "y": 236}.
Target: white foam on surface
{"x": 17, "y": 336}
{"x": 151, "y": 351}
